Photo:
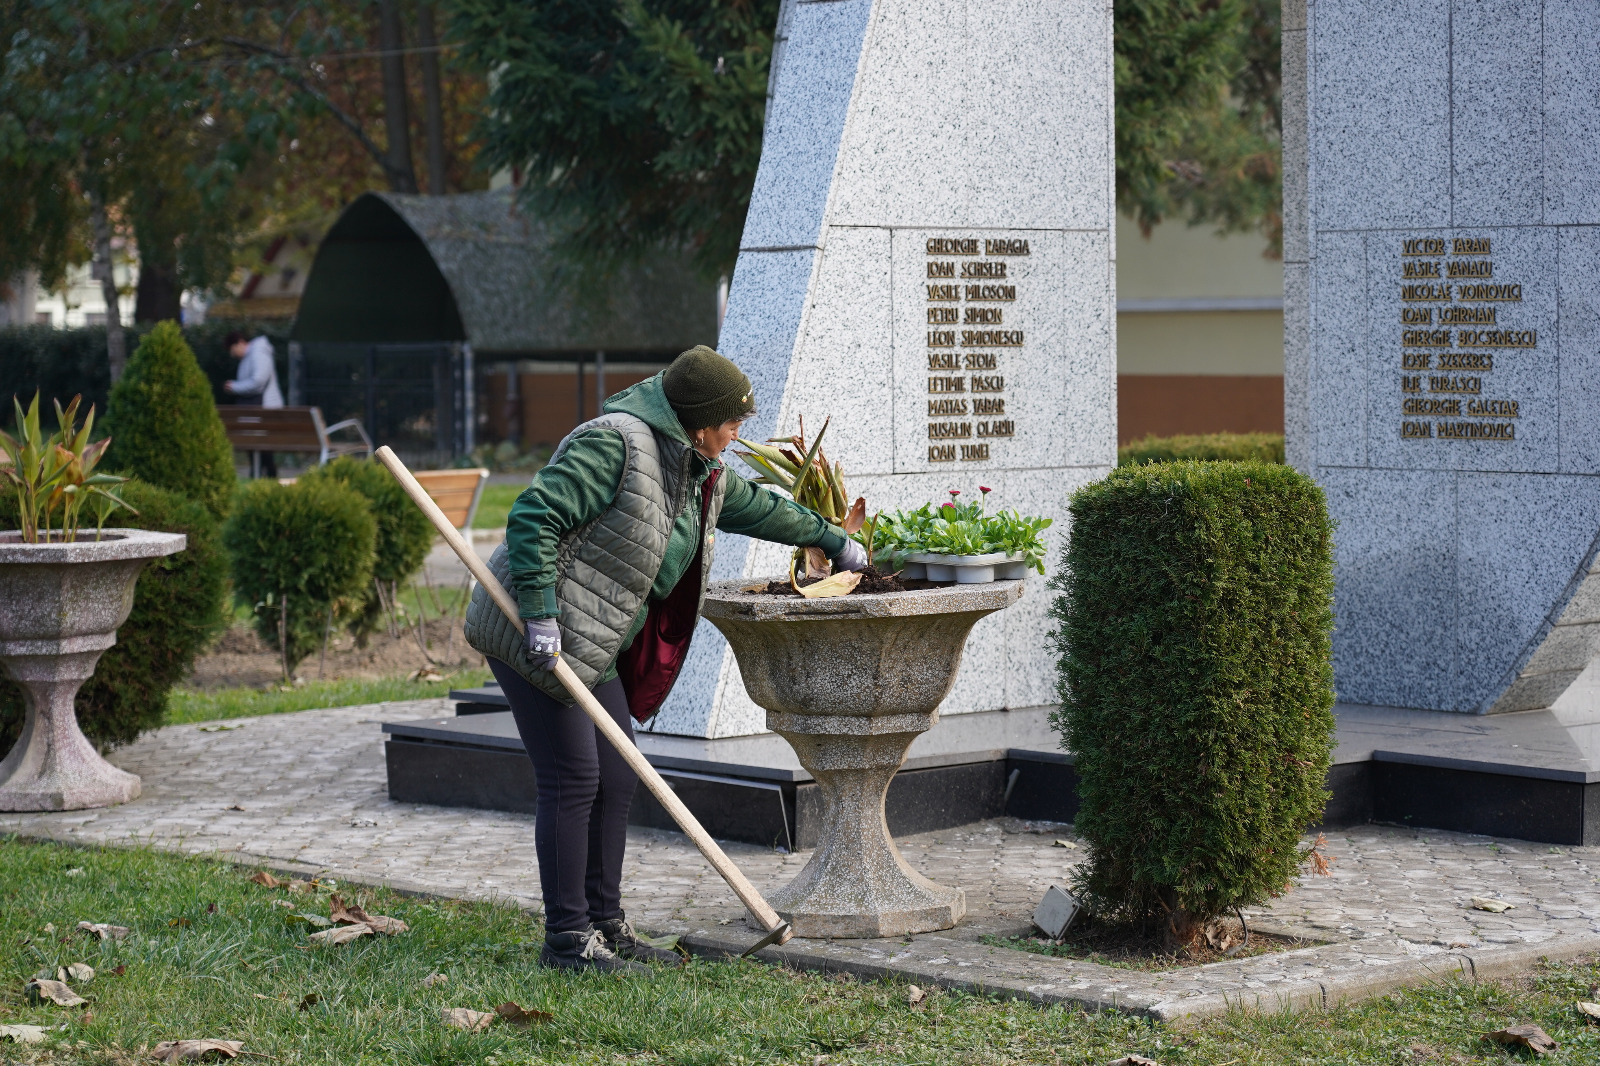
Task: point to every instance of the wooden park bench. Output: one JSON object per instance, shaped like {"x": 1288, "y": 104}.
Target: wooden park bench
{"x": 290, "y": 429}
{"x": 457, "y": 492}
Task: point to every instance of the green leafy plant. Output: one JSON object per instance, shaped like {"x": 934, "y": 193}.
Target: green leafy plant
{"x": 55, "y": 475}
{"x": 178, "y": 607}
{"x": 1196, "y": 686}
{"x": 165, "y": 424}
{"x": 404, "y": 536}
{"x": 301, "y": 557}
{"x": 956, "y": 528}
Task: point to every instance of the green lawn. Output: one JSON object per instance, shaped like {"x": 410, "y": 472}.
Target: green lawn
{"x": 211, "y": 956}
{"x": 494, "y": 505}
{"x": 184, "y": 705}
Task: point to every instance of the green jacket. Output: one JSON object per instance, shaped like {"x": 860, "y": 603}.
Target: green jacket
{"x": 582, "y": 485}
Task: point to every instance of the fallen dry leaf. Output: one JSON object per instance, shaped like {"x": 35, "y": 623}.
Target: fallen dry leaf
{"x": 342, "y": 934}
{"x": 178, "y": 923}
{"x": 309, "y": 1000}
{"x": 57, "y": 992}
{"x": 837, "y": 585}
{"x": 1590, "y": 1011}
{"x": 283, "y": 903}
{"x": 915, "y": 995}
{"x": 306, "y": 918}
{"x": 81, "y": 972}
{"x": 119, "y": 970}
{"x": 300, "y": 886}
{"x": 103, "y": 930}
{"x": 50, "y": 927}
{"x": 195, "y": 1050}
{"x": 434, "y": 979}
{"x": 1066, "y": 844}
{"x": 266, "y": 880}
{"x": 427, "y": 673}
{"x": 473, "y": 1021}
{"x": 520, "y": 1016}
{"x": 1134, "y": 1060}
{"x": 235, "y": 807}
{"x": 22, "y": 1034}
{"x": 1528, "y": 1036}
{"x": 1493, "y": 906}
{"x": 817, "y": 565}
{"x": 352, "y": 914}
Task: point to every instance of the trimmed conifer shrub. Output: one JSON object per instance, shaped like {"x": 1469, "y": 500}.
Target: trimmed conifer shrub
{"x": 164, "y": 425}
{"x": 1196, "y": 686}
{"x": 178, "y": 608}
{"x": 404, "y": 533}
{"x": 301, "y": 557}
{"x": 1266, "y": 447}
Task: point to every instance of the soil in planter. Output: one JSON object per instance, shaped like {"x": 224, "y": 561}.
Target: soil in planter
{"x": 1135, "y": 948}
{"x": 873, "y": 581}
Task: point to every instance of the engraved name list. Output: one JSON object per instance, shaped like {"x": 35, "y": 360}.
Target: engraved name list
{"x": 971, "y": 289}
{"x": 1457, "y": 319}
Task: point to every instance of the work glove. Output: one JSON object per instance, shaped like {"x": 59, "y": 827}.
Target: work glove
{"x": 544, "y": 642}
{"x": 852, "y": 557}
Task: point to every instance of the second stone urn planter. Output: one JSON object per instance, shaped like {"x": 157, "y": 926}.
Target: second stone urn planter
{"x": 849, "y": 682}
{"x": 60, "y": 606}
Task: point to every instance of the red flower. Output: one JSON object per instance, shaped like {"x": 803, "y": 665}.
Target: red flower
{"x": 954, "y": 493}
{"x": 985, "y": 489}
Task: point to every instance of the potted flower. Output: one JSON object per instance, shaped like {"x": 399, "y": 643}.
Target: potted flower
{"x": 963, "y": 542}
{"x": 63, "y": 593}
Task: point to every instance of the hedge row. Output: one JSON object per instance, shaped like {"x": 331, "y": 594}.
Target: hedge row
{"x": 65, "y": 362}
{"x": 1265, "y": 447}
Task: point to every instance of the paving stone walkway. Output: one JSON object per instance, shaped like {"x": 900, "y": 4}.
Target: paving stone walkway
{"x": 308, "y": 791}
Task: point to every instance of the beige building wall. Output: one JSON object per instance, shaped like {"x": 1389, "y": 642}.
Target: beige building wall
{"x": 1199, "y": 332}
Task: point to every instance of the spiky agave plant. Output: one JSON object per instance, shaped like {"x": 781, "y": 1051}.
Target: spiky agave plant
{"x": 805, "y": 473}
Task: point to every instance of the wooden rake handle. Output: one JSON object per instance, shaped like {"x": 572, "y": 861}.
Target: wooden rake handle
{"x": 630, "y": 753}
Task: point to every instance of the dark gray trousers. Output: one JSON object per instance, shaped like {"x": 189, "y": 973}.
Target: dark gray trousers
{"x": 585, "y": 789}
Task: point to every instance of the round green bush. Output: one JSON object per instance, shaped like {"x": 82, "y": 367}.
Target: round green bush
{"x": 404, "y": 532}
{"x": 1196, "y": 685}
{"x": 301, "y": 551}
{"x": 164, "y": 425}
{"x": 178, "y": 607}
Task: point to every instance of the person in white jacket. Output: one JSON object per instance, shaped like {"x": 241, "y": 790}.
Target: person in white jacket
{"x": 257, "y": 382}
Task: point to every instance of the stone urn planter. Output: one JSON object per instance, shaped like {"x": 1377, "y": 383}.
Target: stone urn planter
{"x": 60, "y": 606}
{"x": 849, "y": 682}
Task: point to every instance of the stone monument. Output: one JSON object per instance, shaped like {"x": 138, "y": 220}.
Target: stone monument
{"x": 1442, "y": 335}
{"x": 928, "y": 259}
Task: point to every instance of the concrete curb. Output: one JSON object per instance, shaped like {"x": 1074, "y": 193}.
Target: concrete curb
{"x": 1335, "y": 973}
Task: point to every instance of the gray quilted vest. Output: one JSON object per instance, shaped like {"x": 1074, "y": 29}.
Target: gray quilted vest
{"x": 604, "y": 570}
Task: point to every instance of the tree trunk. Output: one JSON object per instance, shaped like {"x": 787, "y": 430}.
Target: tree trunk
{"x": 396, "y": 125}
{"x": 103, "y": 269}
{"x": 433, "y": 103}
{"x": 158, "y": 297}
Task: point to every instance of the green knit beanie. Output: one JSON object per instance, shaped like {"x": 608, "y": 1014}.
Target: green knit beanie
{"x": 706, "y": 389}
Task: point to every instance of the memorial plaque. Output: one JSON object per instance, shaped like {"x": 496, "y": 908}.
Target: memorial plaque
{"x": 928, "y": 259}
{"x": 1442, "y": 344}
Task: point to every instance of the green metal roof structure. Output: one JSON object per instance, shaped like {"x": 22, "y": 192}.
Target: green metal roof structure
{"x": 402, "y": 269}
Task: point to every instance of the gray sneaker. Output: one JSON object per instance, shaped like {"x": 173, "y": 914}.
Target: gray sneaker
{"x": 624, "y": 940}
{"x": 584, "y": 949}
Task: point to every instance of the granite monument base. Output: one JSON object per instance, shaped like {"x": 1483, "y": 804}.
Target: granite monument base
{"x": 1523, "y": 775}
